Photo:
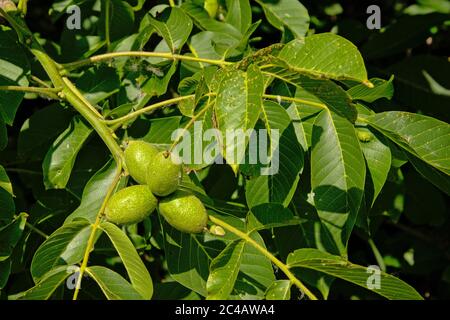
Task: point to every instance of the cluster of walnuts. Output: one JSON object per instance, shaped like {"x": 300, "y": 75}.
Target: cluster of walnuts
{"x": 158, "y": 178}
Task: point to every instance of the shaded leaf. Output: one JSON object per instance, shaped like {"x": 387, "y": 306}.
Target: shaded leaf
{"x": 98, "y": 84}
{"x": 187, "y": 259}
{"x": 269, "y": 215}
{"x": 14, "y": 69}
{"x": 121, "y": 19}
{"x": 94, "y": 192}
{"x": 337, "y": 175}
{"x": 41, "y": 129}
{"x": 378, "y": 159}
{"x": 6, "y": 197}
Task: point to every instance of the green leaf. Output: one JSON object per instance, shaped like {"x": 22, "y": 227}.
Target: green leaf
{"x": 237, "y": 108}
{"x": 381, "y": 89}
{"x": 6, "y": 197}
{"x": 290, "y": 14}
{"x": 239, "y": 14}
{"x": 94, "y": 193}
{"x": 14, "y": 70}
{"x": 313, "y": 55}
{"x": 60, "y": 159}
{"x": 113, "y": 285}
{"x": 390, "y": 286}
{"x": 287, "y": 161}
{"x": 138, "y": 273}
{"x": 174, "y": 26}
{"x": 424, "y": 137}
{"x": 5, "y": 270}
{"x": 224, "y": 270}
{"x": 98, "y": 84}
{"x": 337, "y": 175}
{"x": 279, "y": 290}
{"x": 65, "y": 246}
{"x": 47, "y": 285}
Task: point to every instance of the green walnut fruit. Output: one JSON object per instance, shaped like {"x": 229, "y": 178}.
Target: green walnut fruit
{"x": 131, "y": 205}
{"x": 164, "y": 174}
{"x": 184, "y": 211}
{"x": 138, "y": 155}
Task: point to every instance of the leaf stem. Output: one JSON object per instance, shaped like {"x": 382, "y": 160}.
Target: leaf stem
{"x": 95, "y": 226}
{"x": 133, "y": 115}
{"x": 107, "y": 18}
{"x": 165, "y": 55}
{"x": 264, "y": 251}
{"x": 377, "y": 254}
{"x": 39, "y": 81}
{"x": 51, "y": 92}
{"x": 33, "y": 228}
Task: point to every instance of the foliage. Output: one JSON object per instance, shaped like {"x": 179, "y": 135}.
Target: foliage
{"x": 364, "y": 149}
